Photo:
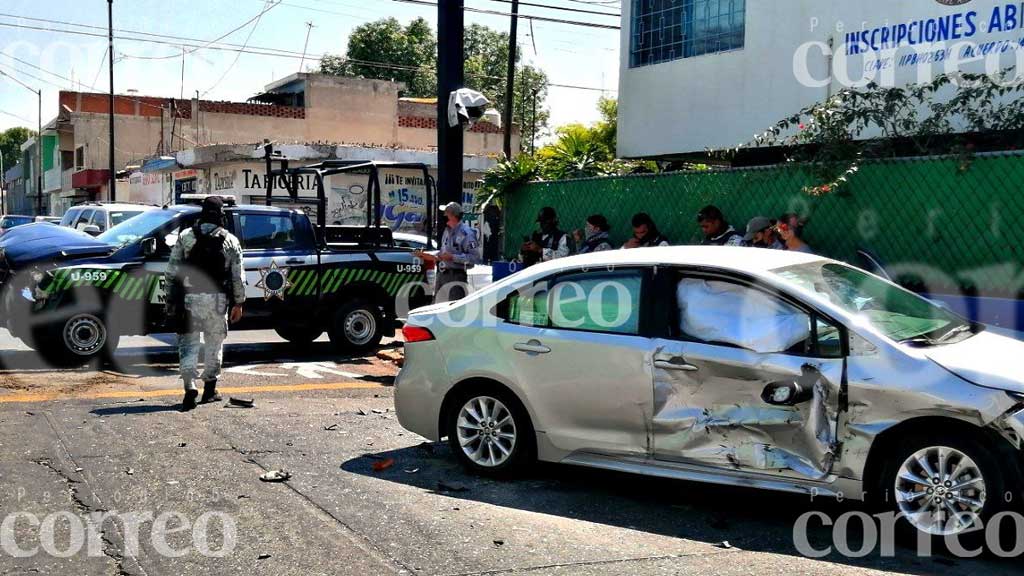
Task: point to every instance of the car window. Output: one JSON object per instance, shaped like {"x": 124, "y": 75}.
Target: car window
{"x": 83, "y": 219}
{"x": 597, "y": 302}
{"x": 122, "y": 215}
{"x": 607, "y": 302}
{"x": 267, "y": 231}
{"x": 731, "y": 314}
{"x": 99, "y": 219}
{"x": 69, "y": 217}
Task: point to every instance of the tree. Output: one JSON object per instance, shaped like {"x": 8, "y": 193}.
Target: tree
{"x": 387, "y": 51}
{"x": 10, "y": 144}
{"x": 384, "y": 50}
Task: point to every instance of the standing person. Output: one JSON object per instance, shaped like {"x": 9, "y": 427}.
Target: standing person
{"x": 717, "y": 231}
{"x": 457, "y": 255}
{"x": 791, "y": 231}
{"x": 594, "y": 236}
{"x": 761, "y": 233}
{"x": 205, "y": 280}
{"x": 549, "y": 243}
{"x": 645, "y": 233}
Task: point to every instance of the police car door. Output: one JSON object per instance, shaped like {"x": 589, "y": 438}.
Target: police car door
{"x": 280, "y": 263}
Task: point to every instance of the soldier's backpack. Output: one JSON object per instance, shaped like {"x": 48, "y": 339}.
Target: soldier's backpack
{"x": 206, "y": 264}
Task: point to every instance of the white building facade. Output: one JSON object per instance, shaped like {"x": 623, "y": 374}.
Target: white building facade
{"x": 699, "y": 74}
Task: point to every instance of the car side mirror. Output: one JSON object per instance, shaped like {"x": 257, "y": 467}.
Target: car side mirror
{"x": 788, "y": 393}
{"x": 92, "y": 230}
{"x": 149, "y": 247}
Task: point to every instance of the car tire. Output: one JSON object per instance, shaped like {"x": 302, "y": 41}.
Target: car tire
{"x": 77, "y": 340}
{"x": 357, "y": 328}
{"x": 300, "y": 335}
{"x": 980, "y": 478}
{"x": 501, "y": 442}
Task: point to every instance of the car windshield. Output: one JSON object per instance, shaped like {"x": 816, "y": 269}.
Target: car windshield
{"x": 141, "y": 226}
{"x": 12, "y": 221}
{"x": 122, "y": 215}
{"x": 894, "y": 311}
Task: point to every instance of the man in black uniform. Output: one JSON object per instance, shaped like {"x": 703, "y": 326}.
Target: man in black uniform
{"x": 547, "y": 244}
{"x": 717, "y": 231}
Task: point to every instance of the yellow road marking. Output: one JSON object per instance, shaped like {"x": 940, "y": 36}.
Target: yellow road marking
{"x": 48, "y": 396}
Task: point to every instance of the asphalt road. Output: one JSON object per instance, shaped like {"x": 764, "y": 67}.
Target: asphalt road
{"x": 365, "y": 496}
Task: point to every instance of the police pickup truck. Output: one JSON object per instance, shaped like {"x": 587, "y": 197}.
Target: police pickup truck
{"x": 71, "y": 296}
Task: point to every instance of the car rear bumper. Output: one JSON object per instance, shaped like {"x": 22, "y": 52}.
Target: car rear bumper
{"x": 420, "y": 388}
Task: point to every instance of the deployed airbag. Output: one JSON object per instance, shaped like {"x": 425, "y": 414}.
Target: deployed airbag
{"x": 727, "y": 313}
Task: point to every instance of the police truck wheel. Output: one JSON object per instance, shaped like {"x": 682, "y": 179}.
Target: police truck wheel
{"x": 357, "y": 328}
{"x": 299, "y": 334}
{"x": 79, "y": 339}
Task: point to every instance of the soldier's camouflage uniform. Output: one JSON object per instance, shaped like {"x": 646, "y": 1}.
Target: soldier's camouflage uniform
{"x": 208, "y": 312}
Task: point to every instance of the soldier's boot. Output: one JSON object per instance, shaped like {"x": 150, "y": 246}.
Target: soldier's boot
{"x": 210, "y": 392}
{"x": 189, "y": 403}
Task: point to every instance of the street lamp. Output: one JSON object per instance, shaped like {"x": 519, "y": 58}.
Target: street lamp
{"x": 39, "y": 142}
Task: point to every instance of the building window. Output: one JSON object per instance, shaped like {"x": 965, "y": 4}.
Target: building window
{"x": 80, "y": 158}
{"x": 665, "y": 30}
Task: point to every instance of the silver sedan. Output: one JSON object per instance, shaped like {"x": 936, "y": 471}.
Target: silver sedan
{"x": 737, "y": 366}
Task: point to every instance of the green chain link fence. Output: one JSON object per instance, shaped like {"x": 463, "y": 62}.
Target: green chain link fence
{"x": 944, "y": 225}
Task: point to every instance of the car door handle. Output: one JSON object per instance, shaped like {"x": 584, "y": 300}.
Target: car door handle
{"x": 532, "y": 347}
{"x": 677, "y": 364}
{"x": 295, "y": 261}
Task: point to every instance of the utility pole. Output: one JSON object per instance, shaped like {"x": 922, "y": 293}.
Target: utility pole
{"x": 450, "y": 73}
{"x": 533, "y": 129}
{"x": 3, "y": 184}
{"x": 510, "y": 84}
{"x": 39, "y": 157}
{"x": 110, "y": 52}
{"x": 306, "y": 44}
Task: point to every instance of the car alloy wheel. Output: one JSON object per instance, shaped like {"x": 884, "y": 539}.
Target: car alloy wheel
{"x": 940, "y": 491}
{"x": 84, "y": 335}
{"x": 486, "y": 431}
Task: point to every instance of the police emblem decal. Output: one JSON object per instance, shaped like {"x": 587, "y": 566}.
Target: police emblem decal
{"x": 274, "y": 281}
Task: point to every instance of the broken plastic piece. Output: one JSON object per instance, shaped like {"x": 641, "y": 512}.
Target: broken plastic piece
{"x": 242, "y": 402}
{"x": 275, "y": 476}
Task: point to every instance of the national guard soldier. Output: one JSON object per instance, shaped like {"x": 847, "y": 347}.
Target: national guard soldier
{"x": 205, "y": 279}
{"x": 457, "y": 255}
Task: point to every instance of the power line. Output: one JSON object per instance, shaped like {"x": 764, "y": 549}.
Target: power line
{"x": 278, "y": 53}
{"x": 526, "y": 16}
{"x": 562, "y": 8}
{"x": 13, "y": 115}
{"x": 255, "y": 18}
{"x": 237, "y": 56}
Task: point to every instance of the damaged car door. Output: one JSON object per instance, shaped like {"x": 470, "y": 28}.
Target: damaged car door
{"x": 749, "y": 381}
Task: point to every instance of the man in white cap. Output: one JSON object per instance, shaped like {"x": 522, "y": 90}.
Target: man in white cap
{"x": 457, "y": 255}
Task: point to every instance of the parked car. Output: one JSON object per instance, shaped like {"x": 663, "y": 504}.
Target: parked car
{"x": 96, "y": 218}
{"x": 738, "y": 366}
{"x": 48, "y": 219}
{"x": 11, "y": 221}
{"x": 479, "y": 276}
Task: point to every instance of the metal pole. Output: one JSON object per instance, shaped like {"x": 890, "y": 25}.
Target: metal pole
{"x": 39, "y": 158}
{"x": 450, "y": 71}
{"x": 533, "y": 129}
{"x": 110, "y": 50}
{"x": 510, "y": 84}
{"x": 3, "y": 182}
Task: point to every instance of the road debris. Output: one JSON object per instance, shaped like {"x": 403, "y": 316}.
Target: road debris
{"x": 378, "y": 411}
{"x": 499, "y": 543}
{"x": 242, "y": 402}
{"x": 724, "y": 544}
{"x": 331, "y": 427}
{"x": 129, "y": 471}
{"x": 411, "y": 470}
{"x": 263, "y": 556}
{"x": 275, "y": 476}
{"x": 381, "y": 465}
{"x": 362, "y": 412}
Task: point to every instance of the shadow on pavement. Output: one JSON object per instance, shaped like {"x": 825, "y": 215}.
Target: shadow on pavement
{"x": 752, "y": 520}
{"x": 126, "y": 410}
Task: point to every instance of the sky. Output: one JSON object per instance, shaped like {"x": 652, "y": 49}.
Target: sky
{"x": 570, "y": 55}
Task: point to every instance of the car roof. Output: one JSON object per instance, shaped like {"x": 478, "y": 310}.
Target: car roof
{"x": 754, "y": 260}
{"x": 191, "y": 208}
